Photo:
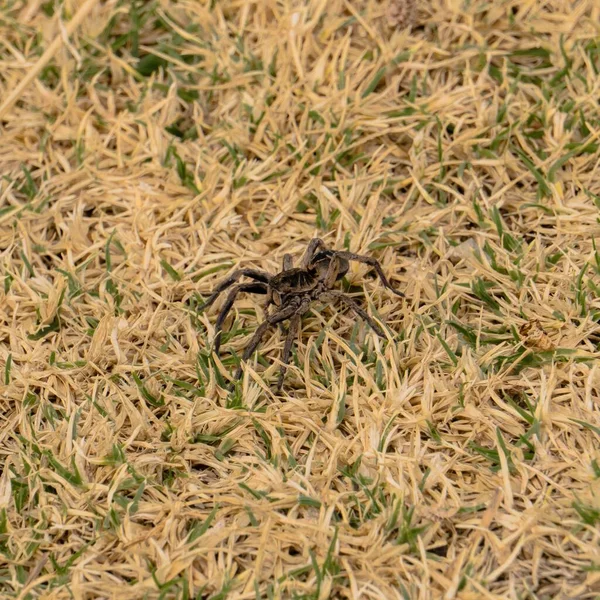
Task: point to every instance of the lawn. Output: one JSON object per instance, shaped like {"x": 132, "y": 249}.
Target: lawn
{"x": 150, "y": 148}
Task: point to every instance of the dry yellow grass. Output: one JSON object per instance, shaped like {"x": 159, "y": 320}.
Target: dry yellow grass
{"x": 148, "y": 148}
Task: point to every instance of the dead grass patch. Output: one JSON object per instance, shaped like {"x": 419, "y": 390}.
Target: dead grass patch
{"x": 148, "y": 148}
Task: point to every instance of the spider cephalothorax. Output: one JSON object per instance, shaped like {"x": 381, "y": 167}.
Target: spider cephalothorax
{"x": 306, "y": 280}
{"x": 292, "y": 291}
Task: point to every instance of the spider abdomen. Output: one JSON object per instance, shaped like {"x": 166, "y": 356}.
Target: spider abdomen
{"x": 322, "y": 261}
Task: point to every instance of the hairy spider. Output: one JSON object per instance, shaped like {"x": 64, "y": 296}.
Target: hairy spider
{"x": 292, "y": 291}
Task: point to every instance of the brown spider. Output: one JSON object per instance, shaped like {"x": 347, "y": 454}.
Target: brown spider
{"x": 292, "y": 291}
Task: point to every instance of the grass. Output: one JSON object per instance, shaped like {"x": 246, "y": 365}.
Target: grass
{"x": 150, "y": 148}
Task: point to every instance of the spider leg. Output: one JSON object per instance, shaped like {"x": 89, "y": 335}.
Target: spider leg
{"x": 252, "y": 273}
{"x": 356, "y": 308}
{"x": 372, "y": 262}
{"x": 253, "y": 288}
{"x": 282, "y": 314}
{"x": 313, "y": 246}
{"x": 287, "y": 348}
{"x": 333, "y": 271}
{"x": 288, "y": 262}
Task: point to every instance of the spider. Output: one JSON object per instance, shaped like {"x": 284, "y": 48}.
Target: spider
{"x": 292, "y": 291}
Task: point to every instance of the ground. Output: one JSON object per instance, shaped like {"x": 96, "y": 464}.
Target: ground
{"x": 150, "y": 148}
